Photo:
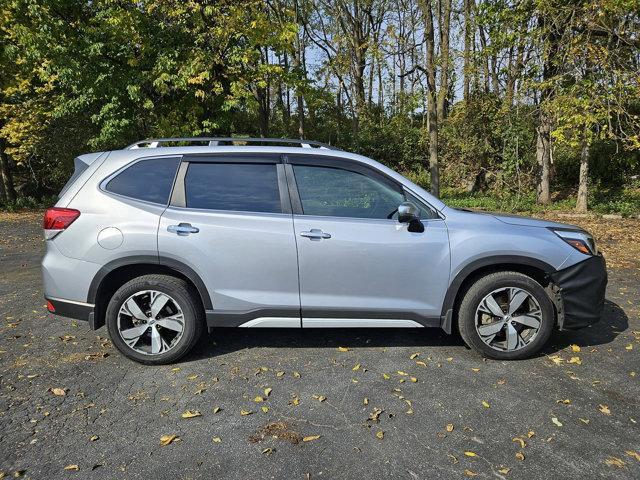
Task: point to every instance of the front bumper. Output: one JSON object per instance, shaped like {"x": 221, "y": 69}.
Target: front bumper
{"x": 581, "y": 289}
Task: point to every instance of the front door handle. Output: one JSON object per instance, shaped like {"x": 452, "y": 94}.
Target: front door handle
{"x": 182, "y": 229}
{"x": 315, "y": 234}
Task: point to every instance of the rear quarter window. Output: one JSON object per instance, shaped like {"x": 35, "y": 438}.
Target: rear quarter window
{"x": 149, "y": 180}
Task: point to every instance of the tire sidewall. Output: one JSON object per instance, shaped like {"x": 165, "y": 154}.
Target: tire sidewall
{"x": 492, "y": 282}
{"x": 172, "y": 288}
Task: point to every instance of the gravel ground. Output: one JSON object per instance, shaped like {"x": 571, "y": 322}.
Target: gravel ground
{"x": 310, "y": 404}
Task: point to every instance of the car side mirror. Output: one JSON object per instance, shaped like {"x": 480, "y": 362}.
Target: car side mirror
{"x": 409, "y": 213}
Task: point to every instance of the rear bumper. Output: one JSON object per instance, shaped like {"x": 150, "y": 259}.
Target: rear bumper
{"x": 581, "y": 291}
{"x": 70, "y": 308}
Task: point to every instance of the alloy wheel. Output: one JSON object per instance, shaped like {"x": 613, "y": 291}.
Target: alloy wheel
{"x": 508, "y": 319}
{"x": 150, "y": 322}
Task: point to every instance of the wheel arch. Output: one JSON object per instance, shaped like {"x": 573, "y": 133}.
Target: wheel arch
{"x": 116, "y": 273}
{"x": 534, "y": 268}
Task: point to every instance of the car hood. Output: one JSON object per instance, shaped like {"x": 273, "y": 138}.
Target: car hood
{"x": 531, "y": 222}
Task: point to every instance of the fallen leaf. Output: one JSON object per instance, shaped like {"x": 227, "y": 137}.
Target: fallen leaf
{"x": 414, "y": 356}
{"x": 365, "y": 401}
{"x": 279, "y": 374}
{"x": 520, "y": 456}
{"x": 264, "y": 408}
{"x": 414, "y": 379}
{"x": 470, "y": 473}
{"x": 380, "y": 434}
{"x": 191, "y": 414}
{"x": 386, "y": 376}
{"x": 604, "y": 409}
{"x": 421, "y": 363}
{"x": 192, "y": 377}
{"x": 294, "y": 401}
{"x": 475, "y": 370}
{"x": 258, "y": 399}
{"x": 629, "y": 347}
{"x": 320, "y": 398}
{"x": 94, "y": 438}
{"x": 375, "y": 414}
{"x": 575, "y": 360}
{"x": 556, "y": 421}
{"x": 575, "y": 348}
{"x": 485, "y": 404}
{"x": 311, "y": 438}
{"x": 59, "y": 392}
{"x": 216, "y": 440}
{"x": 402, "y": 373}
{"x": 470, "y": 454}
{"x": 73, "y": 468}
{"x": 216, "y": 409}
{"x": 268, "y": 451}
{"x": 520, "y": 441}
{"x": 633, "y": 454}
{"x": 531, "y": 433}
{"x": 504, "y": 470}
{"x": 343, "y": 349}
{"x": 585, "y": 421}
{"x": 615, "y": 462}
{"x": 245, "y": 412}
{"x": 167, "y": 439}
{"x": 267, "y": 391}
{"x": 296, "y": 374}
{"x": 356, "y": 367}
{"x": 566, "y": 401}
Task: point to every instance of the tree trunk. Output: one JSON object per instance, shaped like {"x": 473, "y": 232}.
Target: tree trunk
{"x": 467, "y": 49}
{"x": 5, "y": 173}
{"x": 543, "y": 157}
{"x": 432, "y": 113}
{"x": 581, "y": 203}
{"x": 445, "y": 29}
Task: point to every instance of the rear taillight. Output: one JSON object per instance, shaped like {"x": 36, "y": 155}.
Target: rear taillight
{"x": 58, "y": 219}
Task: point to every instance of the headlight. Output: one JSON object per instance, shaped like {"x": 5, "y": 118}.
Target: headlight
{"x": 578, "y": 239}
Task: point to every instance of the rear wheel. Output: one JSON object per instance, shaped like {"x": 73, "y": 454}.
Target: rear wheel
{"x": 506, "y": 315}
{"x": 155, "y": 319}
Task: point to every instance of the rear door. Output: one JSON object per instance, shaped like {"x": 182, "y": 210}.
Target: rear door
{"x": 230, "y": 221}
{"x": 358, "y": 265}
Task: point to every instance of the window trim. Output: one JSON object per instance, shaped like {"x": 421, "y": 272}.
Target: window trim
{"x": 102, "y": 185}
{"x": 179, "y": 196}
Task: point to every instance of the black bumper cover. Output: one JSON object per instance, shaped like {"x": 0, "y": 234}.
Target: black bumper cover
{"x": 581, "y": 289}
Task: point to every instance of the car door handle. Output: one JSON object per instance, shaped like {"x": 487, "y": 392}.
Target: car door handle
{"x": 183, "y": 229}
{"x": 315, "y": 234}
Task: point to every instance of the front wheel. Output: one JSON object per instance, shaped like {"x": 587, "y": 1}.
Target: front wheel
{"x": 155, "y": 319}
{"x": 506, "y": 316}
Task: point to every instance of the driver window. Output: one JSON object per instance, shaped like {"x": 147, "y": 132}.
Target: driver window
{"x": 335, "y": 192}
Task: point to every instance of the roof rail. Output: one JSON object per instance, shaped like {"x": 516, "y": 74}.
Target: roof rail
{"x": 216, "y": 141}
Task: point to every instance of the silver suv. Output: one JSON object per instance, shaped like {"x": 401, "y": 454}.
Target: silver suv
{"x": 169, "y": 236}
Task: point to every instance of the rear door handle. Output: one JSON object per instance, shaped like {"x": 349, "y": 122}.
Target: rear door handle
{"x": 315, "y": 234}
{"x": 183, "y": 229}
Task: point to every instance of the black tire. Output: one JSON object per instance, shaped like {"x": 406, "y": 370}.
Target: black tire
{"x": 188, "y": 300}
{"x": 483, "y": 287}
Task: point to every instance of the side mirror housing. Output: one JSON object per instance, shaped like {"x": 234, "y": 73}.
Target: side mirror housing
{"x": 409, "y": 213}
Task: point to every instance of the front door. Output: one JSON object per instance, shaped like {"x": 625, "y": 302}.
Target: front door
{"x": 230, "y": 222}
{"x": 358, "y": 265}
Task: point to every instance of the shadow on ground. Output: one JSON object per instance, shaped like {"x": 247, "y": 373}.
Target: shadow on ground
{"x": 221, "y": 341}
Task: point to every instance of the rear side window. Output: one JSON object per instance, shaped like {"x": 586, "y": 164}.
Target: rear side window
{"x": 244, "y": 187}
{"x": 149, "y": 180}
